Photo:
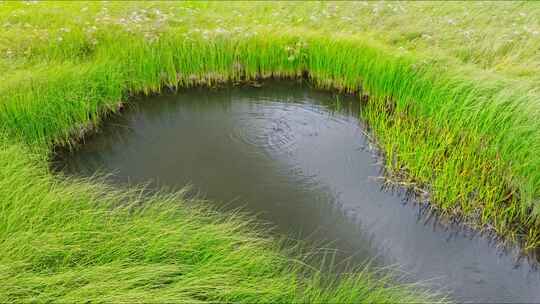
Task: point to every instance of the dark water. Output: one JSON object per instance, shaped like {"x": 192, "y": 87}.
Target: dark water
{"x": 297, "y": 157}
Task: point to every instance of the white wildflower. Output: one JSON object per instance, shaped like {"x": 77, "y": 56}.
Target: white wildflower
{"x": 220, "y": 30}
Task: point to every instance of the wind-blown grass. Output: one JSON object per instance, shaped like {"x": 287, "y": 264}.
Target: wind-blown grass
{"x": 68, "y": 241}
{"x": 453, "y": 90}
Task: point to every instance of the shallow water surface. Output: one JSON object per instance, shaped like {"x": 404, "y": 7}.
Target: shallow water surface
{"x": 298, "y": 158}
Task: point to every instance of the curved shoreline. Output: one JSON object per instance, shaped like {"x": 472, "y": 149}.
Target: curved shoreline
{"x": 466, "y": 164}
{"x": 472, "y": 143}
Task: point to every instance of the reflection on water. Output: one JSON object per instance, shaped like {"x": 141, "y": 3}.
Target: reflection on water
{"x": 298, "y": 158}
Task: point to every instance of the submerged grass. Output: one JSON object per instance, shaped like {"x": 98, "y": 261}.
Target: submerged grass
{"x": 454, "y": 105}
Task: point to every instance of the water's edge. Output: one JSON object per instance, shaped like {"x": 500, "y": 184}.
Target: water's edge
{"x": 282, "y": 155}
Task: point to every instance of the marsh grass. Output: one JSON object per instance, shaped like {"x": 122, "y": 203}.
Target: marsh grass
{"x": 483, "y": 170}
{"x": 72, "y": 240}
{"x": 453, "y": 105}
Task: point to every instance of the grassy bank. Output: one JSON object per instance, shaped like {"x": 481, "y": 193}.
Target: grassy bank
{"x": 453, "y": 104}
{"x": 68, "y": 241}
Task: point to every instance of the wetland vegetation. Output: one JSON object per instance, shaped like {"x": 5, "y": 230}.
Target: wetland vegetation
{"x": 450, "y": 93}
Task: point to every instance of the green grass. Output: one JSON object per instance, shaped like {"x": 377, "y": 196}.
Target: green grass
{"x": 454, "y": 105}
{"x": 72, "y": 241}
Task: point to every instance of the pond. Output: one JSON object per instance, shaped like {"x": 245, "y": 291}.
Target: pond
{"x": 298, "y": 158}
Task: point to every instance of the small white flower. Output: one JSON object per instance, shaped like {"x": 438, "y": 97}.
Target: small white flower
{"x": 220, "y": 30}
